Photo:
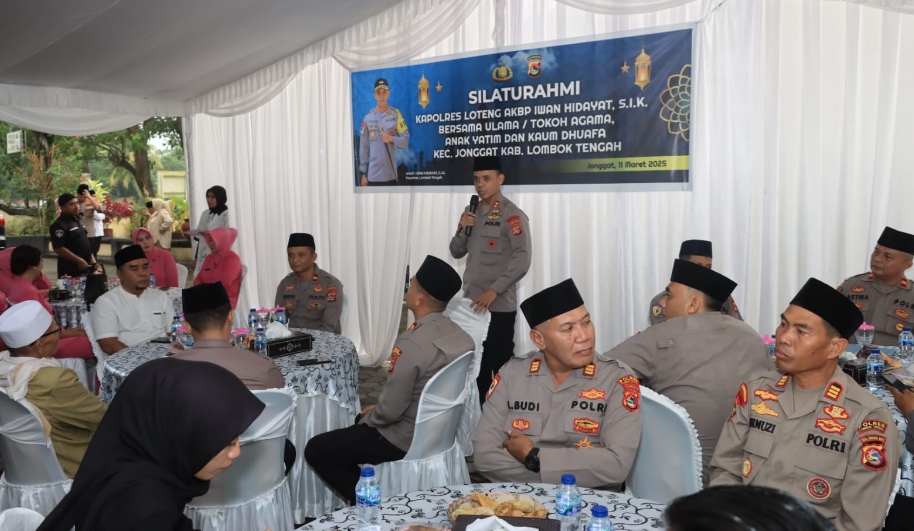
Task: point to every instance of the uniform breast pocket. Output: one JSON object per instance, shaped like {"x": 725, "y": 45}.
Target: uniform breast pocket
{"x": 584, "y": 423}
{"x": 530, "y": 424}
{"x": 898, "y": 318}
{"x": 315, "y": 309}
{"x": 757, "y": 449}
{"x": 492, "y": 243}
{"x": 817, "y": 479}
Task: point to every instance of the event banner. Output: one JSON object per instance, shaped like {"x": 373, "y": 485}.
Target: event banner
{"x": 611, "y": 113}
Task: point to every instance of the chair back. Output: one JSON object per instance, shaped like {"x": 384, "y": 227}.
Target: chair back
{"x": 440, "y": 407}
{"x": 182, "y": 275}
{"x": 100, "y": 355}
{"x": 20, "y": 519}
{"x": 260, "y": 467}
{"x": 477, "y": 326}
{"x": 28, "y": 456}
{"x": 668, "y": 462}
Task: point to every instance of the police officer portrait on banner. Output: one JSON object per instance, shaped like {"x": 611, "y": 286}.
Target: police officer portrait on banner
{"x": 885, "y": 295}
{"x": 311, "y": 297}
{"x": 698, "y": 252}
{"x": 560, "y": 410}
{"x": 697, "y": 356}
{"x": 809, "y": 428}
{"x": 494, "y": 235}
{"x": 383, "y": 131}
{"x": 70, "y": 240}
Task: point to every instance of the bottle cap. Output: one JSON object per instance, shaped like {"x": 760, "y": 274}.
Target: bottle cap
{"x": 906, "y": 329}
{"x": 568, "y": 479}
{"x": 259, "y": 329}
{"x": 874, "y": 351}
{"x": 253, "y": 310}
{"x": 599, "y": 511}
{"x": 367, "y": 472}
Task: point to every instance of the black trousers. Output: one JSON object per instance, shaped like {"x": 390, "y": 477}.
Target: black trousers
{"x": 335, "y": 456}
{"x": 497, "y": 349}
{"x": 95, "y": 244}
{"x": 394, "y": 182}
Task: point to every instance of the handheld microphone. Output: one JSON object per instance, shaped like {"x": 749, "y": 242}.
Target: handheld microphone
{"x": 474, "y": 202}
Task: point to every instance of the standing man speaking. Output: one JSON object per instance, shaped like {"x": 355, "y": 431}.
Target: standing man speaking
{"x": 495, "y": 233}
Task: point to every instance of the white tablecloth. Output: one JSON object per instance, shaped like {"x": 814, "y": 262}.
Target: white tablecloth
{"x": 430, "y": 507}
{"x": 328, "y": 400}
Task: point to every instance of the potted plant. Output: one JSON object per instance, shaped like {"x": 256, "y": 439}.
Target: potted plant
{"x": 115, "y": 211}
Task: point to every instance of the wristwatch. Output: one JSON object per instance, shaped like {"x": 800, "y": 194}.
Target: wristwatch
{"x": 532, "y": 461}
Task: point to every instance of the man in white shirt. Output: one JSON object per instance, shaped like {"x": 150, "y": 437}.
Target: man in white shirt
{"x": 130, "y": 313}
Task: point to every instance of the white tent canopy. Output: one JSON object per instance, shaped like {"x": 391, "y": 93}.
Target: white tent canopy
{"x": 800, "y": 145}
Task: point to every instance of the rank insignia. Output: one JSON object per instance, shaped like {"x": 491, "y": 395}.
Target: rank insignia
{"x": 870, "y": 276}
{"x": 583, "y": 444}
{"x": 534, "y": 65}
{"x": 859, "y": 305}
{"x": 314, "y": 277}
{"x": 840, "y": 289}
{"x": 765, "y": 394}
{"x": 830, "y": 426}
{"x": 818, "y": 488}
{"x": 904, "y": 314}
{"x": 742, "y": 396}
{"x": 834, "y": 391}
{"x": 656, "y": 310}
{"x": 491, "y": 244}
{"x": 290, "y": 288}
{"x": 899, "y": 327}
{"x": 394, "y": 356}
{"x": 412, "y": 326}
{"x": 593, "y": 394}
{"x": 762, "y": 409}
{"x": 318, "y": 288}
{"x": 858, "y": 289}
{"x": 493, "y": 385}
{"x": 315, "y": 306}
{"x": 590, "y": 370}
{"x": 495, "y": 205}
{"x": 514, "y": 222}
{"x": 520, "y": 425}
{"x": 535, "y": 366}
{"x": 782, "y": 383}
{"x": 903, "y": 283}
{"x": 836, "y": 412}
{"x": 747, "y": 467}
{"x": 870, "y": 425}
{"x": 586, "y": 425}
{"x": 873, "y": 456}
{"x": 331, "y": 293}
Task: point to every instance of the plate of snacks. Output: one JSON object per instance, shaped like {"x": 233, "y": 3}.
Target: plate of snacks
{"x": 497, "y": 504}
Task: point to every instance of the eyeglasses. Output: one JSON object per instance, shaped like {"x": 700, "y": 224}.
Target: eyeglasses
{"x": 55, "y": 331}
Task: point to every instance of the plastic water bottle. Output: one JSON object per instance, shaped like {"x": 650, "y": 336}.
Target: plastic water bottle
{"x": 253, "y": 320}
{"x": 874, "y": 368}
{"x": 568, "y": 502}
{"x": 599, "y": 519}
{"x": 260, "y": 342}
{"x": 368, "y": 501}
{"x": 152, "y": 281}
{"x": 281, "y": 316}
{"x": 175, "y": 325}
{"x": 82, "y": 288}
{"x": 906, "y": 344}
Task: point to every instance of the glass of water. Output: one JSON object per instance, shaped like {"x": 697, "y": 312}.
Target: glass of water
{"x": 865, "y": 334}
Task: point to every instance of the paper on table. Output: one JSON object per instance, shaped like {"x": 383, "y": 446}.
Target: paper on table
{"x": 494, "y": 523}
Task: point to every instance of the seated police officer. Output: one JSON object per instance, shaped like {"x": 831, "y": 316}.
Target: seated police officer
{"x": 563, "y": 411}
{"x": 311, "y": 297}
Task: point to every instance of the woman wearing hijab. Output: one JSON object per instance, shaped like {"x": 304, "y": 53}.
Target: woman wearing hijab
{"x": 42, "y": 283}
{"x": 172, "y": 427}
{"x": 161, "y": 262}
{"x": 26, "y": 265}
{"x": 222, "y": 264}
{"x": 159, "y": 223}
{"x": 217, "y": 216}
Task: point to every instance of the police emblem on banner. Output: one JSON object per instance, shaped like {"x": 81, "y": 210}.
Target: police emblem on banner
{"x": 534, "y": 65}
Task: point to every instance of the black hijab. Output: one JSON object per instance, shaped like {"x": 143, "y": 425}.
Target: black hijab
{"x": 221, "y": 199}
{"x": 168, "y": 420}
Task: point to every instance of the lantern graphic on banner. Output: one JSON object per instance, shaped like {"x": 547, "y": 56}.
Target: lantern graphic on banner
{"x": 642, "y": 69}
{"x": 423, "y": 92}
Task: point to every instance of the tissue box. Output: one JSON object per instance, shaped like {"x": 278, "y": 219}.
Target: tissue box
{"x": 856, "y": 369}
{"x": 58, "y": 295}
{"x": 542, "y": 524}
{"x": 286, "y": 346}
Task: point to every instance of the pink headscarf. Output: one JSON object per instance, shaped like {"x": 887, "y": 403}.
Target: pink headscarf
{"x": 136, "y": 234}
{"x": 224, "y": 238}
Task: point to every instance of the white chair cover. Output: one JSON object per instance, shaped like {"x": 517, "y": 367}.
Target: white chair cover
{"x": 100, "y": 355}
{"x": 78, "y": 365}
{"x": 253, "y": 493}
{"x": 316, "y": 413}
{"x": 477, "y": 325}
{"x": 20, "y": 519}
{"x": 32, "y": 477}
{"x": 434, "y": 458}
{"x": 182, "y": 275}
{"x": 668, "y": 462}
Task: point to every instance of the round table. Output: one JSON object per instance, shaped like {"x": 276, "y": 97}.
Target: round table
{"x": 70, "y": 314}
{"x": 328, "y": 400}
{"x": 429, "y": 507}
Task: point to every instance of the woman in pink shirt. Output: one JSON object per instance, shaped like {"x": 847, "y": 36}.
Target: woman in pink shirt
{"x": 161, "y": 262}
{"x": 6, "y": 277}
{"x": 26, "y": 264}
{"x": 222, "y": 265}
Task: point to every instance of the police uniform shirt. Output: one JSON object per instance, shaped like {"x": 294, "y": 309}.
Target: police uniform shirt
{"x": 316, "y": 304}
{"x": 425, "y": 348}
{"x": 589, "y": 426}
{"x": 727, "y": 308}
{"x": 888, "y": 308}
{"x": 838, "y": 451}
{"x": 697, "y": 361}
{"x": 377, "y": 159}
{"x": 68, "y": 232}
{"x": 499, "y": 252}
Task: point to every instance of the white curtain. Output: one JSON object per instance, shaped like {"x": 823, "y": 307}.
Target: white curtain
{"x": 800, "y": 157}
{"x": 623, "y": 7}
